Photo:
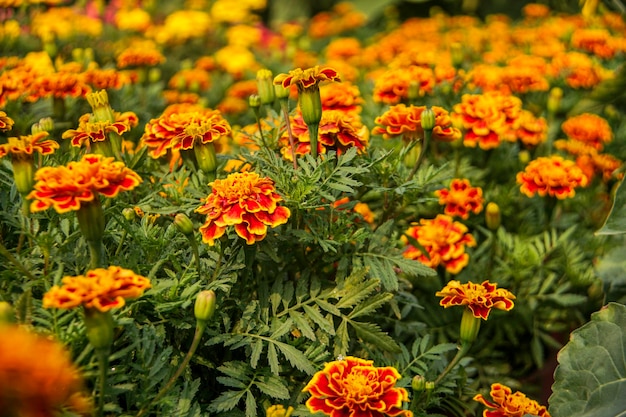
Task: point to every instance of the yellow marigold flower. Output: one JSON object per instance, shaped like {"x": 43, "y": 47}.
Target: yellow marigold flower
{"x": 461, "y": 198}
{"x": 193, "y": 79}
{"x": 135, "y": 19}
{"x": 66, "y": 187}
{"x": 181, "y": 26}
{"x": 6, "y": 123}
{"x": 353, "y": 386}
{"x": 26, "y": 146}
{"x": 243, "y": 200}
{"x": 182, "y": 126}
{"x": 479, "y": 298}
{"x": 505, "y": 403}
{"x": 37, "y": 376}
{"x": 101, "y": 289}
{"x": 553, "y": 176}
{"x": 90, "y": 131}
{"x": 236, "y": 60}
{"x": 278, "y": 410}
{"x": 443, "y": 239}
{"x": 588, "y": 128}
{"x": 405, "y": 121}
{"x": 338, "y": 131}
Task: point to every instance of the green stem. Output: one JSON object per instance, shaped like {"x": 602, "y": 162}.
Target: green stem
{"x": 194, "y": 345}
{"x": 420, "y": 158}
{"x": 218, "y": 264}
{"x": 103, "y": 364}
{"x": 194, "y": 248}
{"x": 5, "y": 252}
{"x": 313, "y": 132}
{"x": 454, "y": 362}
{"x": 119, "y": 246}
{"x": 95, "y": 253}
{"x": 283, "y": 106}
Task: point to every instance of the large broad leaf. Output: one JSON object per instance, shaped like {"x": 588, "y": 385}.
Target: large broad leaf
{"x": 616, "y": 221}
{"x": 611, "y": 269}
{"x": 590, "y": 380}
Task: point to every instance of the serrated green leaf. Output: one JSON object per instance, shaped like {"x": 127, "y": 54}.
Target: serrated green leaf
{"x": 371, "y": 333}
{"x": 235, "y": 369}
{"x": 273, "y": 386}
{"x": 590, "y": 380}
{"x": 272, "y": 358}
{"x": 370, "y": 305}
{"x": 227, "y": 401}
{"x": 354, "y": 294}
{"x": 325, "y": 305}
{"x": 382, "y": 270}
{"x": 342, "y": 339}
{"x": 250, "y": 405}
{"x": 318, "y": 319}
{"x": 295, "y": 357}
{"x": 231, "y": 382}
{"x": 302, "y": 324}
{"x": 257, "y": 348}
{"x": 283, "y": 329}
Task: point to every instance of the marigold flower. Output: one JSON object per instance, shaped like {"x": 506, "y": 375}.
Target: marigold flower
{"x": 532, "y": 130}
{"x": 37, "y": 376}
{"x": 405, "y": 121}
{"x": 243, "y": 200}
{"x": 66, "y": 187}
{"x": 344, "y": 96}
{"x": 6, "y": 123}
{"x": 306, "y": 79}
{"x": 461, "y": 198}
{"x": 355, "y": 387}
{"x": 278, "y": 410}
{"x": 338, "y": 131}
{"x": 143, "y": 55}
{"x": 90, "y": 131}
{"x": 236, "y": 60}
{"x": 26, "y": 146}
{"x": 596, "y": 41}
{"x": 443, "y": 239}
{"x": 479, "y": 298}
{"x": 392, "y": 87}
{"x": 106, "y": 79}
{"x": 505, "y": 403}
{"x": 101, "y": 289}
{"x": 588, "y": 128}
{"x": 553, "y": 176}
{"x": 180, "y": 127}
{"x": 58, "y": 85}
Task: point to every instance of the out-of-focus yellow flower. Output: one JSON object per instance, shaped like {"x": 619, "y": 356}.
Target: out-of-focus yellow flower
{"x": 278, "y": 410}
{"x": 136, "y": 19}
{"x": 37, "y": 376}
{"x": 100, "y": 289}
{"x": 140, "y": 55}
{"x": 236, "y": 60}
{"x": 181, "y": 26}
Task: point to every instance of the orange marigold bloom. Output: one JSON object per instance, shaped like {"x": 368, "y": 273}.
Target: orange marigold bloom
{"x": 140, "y": 56}
{"x": 58, "y": 85}
{"x": 578, "y": 70}
{"x": 180, "y": 126}
{"x": 405, "y": 121}
{"x": 596, "y": 41}
{"x": 461, "y": 198}
{"x": 553, "y": 176}
{"x": 588, "y": 128}
{"x": 479, "y": 298}
{"x": 192, "y": 79}
{"x": 106, "y": 79}
{"x": 532, "y": 130}
{"x": 306, "y": 79}
{"x": 6, "y": 123}
{"x": 360, "y": 208}
{"x": 90, "y": 131}
{"x": 66, "y": 187}
{"x": 344, "y": 96}
{"x": 487, "y": 118}
{"x": 444, "y": 241}
{"x": 37, "y": 376}
{"x": 101, "y": 289}
{"x": 243, "y": 200}
{"x": 338, "y": 131}
{"x": 505, "y": 403}
{"x": 26, "y": 146}
{"x": 392, "y": 86}
{"x": 355, "y": 387}
{"x": 535, "y": 11}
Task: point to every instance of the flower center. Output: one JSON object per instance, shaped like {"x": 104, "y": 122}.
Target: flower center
{"x": 357, "y": 386}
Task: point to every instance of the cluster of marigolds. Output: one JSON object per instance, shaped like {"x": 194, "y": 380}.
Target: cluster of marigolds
{"x": 405, "y": 65}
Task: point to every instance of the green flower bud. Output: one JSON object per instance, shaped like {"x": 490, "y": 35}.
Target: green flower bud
{"x": 99, "y": 328}
{"x": 265, "y": 85}
{"x": 427, "y": 118}
{"x": 99, "y": 102}
{"x": 429, "y": 386}
{"x": 45, "y": 124}
{"x": 23, "y": 174}
{"x": 129, "y": 214}
{"x": 554, "y": 100}
{"x": 492, "y": 216}
{"x": 205, "y": 306}
{"x": 183, "y": 223}
{"x": 254, "y": 101}
{"x": 418, "y": 383}
{"x": 413, "y": 91}
{"x": 7, "y": 315}
{"x": 311, "y": 106}
{"x": 282, "y": 93}
{"x": 206, "y": 158}
{"x": 470, "y": 325}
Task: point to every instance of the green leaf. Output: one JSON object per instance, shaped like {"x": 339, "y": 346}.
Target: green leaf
{"x": 370, "y": 305}
{"x": 272, "y": 358}
{"x": 250, "y": 405}
{"x": 257, "y": 348}
{"x": 615, "y": 223}
{"x": 357, "y": 293}
{"x": 371, "y": 333}
{"x": 590, "y": 380}
{"x": 611, "y": 269}
{"x": 295, "y": 357}
{"x": 273, "y": 386}
{"x": 318, "y": 319}
{"x": 302, "y": 324}
{"x": 227, "y": 400}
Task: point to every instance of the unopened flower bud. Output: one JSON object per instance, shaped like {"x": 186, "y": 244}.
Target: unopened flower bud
{"x": 282, "y": 93}
{"x": 183, "y": 223}
{"x": 492, "y": 216}
{"x": 99, "y": 102}
{"x": 265, "y": 86}
{"x": 311, "y": 106}
{"x": 427, "y": 118}
{"x": 456, "y": 54}
{"x": 429, "y": 386}
{"x": 418, "y": 383}
{"x": 554, "y": 100}
{"x": 205, "y": 306}
{"x": 470, "y": 325}
{"x": 91, "y": 220}
{"x": 206, "y": 158}
{"x": 524, "y": 157}
{"x": 254, "y": 101}
{"x": 413, "y": 91}
{"x": 7, "y": 315}
{"x": 129, "y": 214}
{"x": 154, "y": 75}
{"x": 45, "y": 124}
{"x": 99, "y": 328}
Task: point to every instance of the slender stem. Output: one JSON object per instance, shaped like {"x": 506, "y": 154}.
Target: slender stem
{"x": 119, "y": 246}
{"x": 218, "y": 264}
{"x": 313, "y": 132}
{"x": 194, "y": 345}
{"x": 258, "y": 123}
{"x": 5, "y": 252}
{"x": 103, "y": 364}
{"x": 283, "y": 106}
{"x": 194, "y": 248}
{"x": 420, "y": 158}
{"x": 454, "y": 362}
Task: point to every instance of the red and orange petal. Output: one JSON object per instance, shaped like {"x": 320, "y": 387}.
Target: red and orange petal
{"x": 103, "y": 289}
{"x": 392, "y": 86}
{"x": 444, "y": 241}
{"x": 552, "y": 176}
{"x": 308, "y": 78}
{"x": 28, "y": 145}
{"x": 461, "y": 199}
{"x": 479, "y": 298}
{"x": 588, "y": 128}
{"x": 65, "y": 188}
{"x": 505, "y": 403}
{"x": 532, "y": 130}
{"x": 89, "y": 131}
{"x": 6, "y": 123}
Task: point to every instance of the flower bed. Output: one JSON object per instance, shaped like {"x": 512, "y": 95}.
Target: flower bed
{"x": 209, "y": 213}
